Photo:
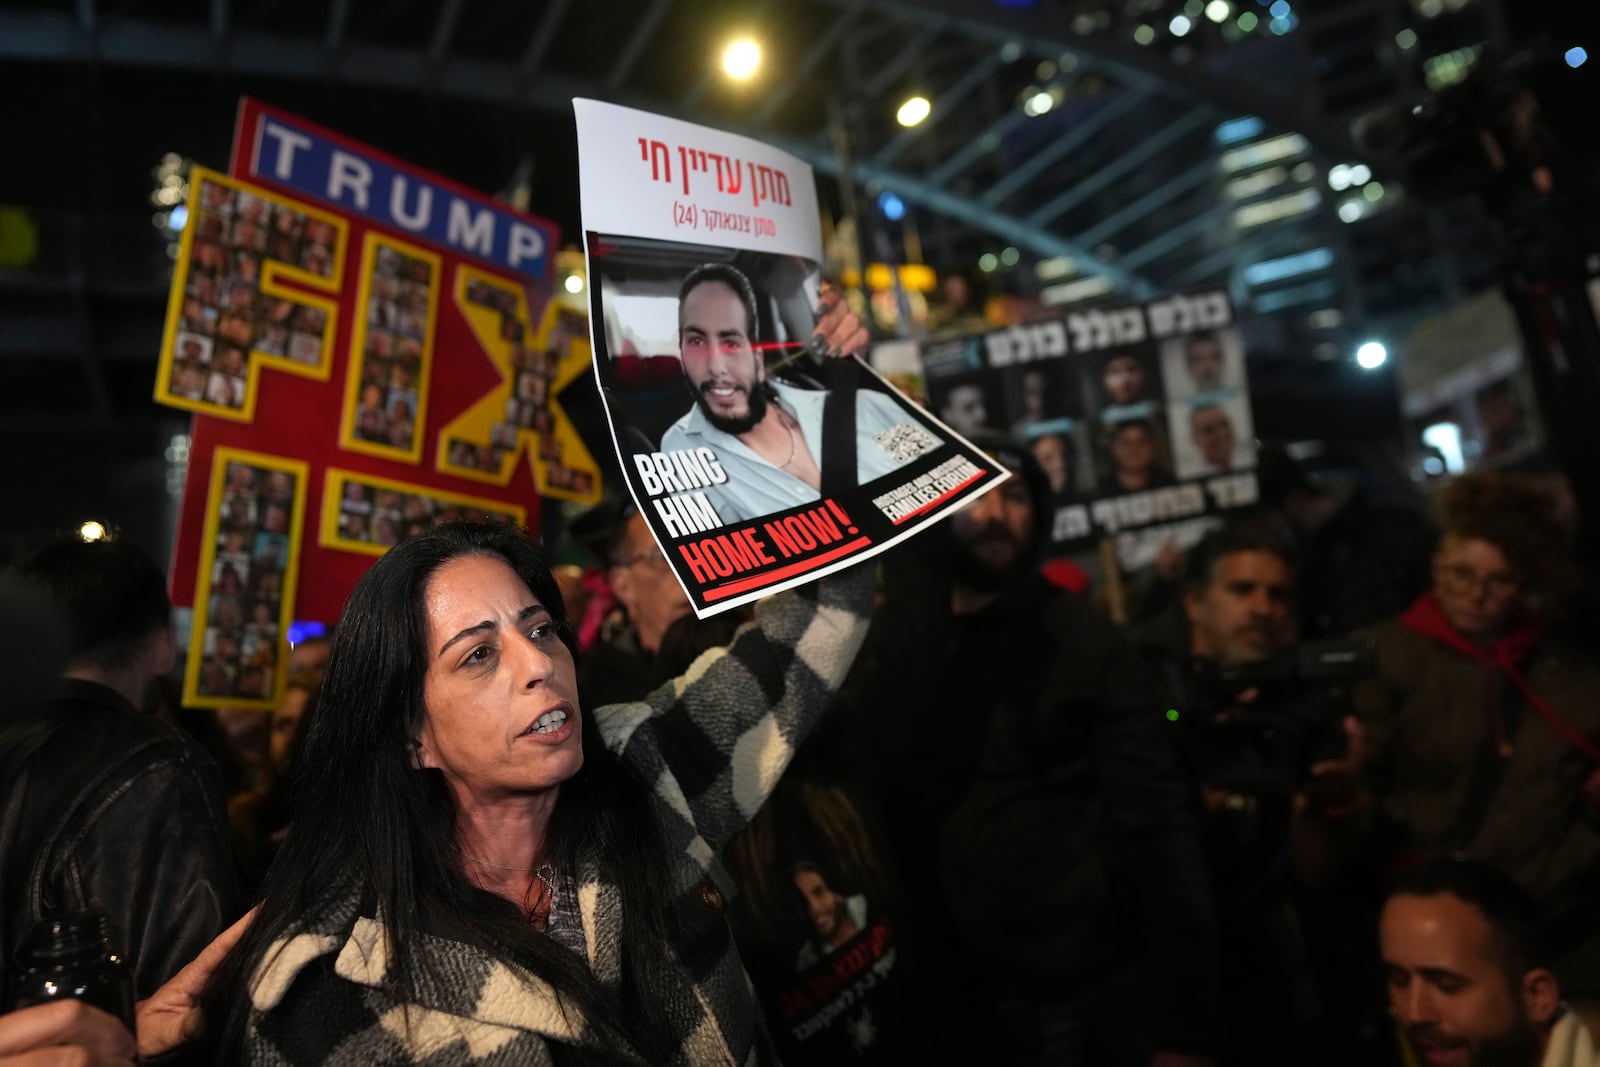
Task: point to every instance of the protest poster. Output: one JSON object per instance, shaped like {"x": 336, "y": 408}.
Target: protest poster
{"x": 367, "y": 349}
{"x": 736, "y": 440}
{"x": 1139, "y": 415}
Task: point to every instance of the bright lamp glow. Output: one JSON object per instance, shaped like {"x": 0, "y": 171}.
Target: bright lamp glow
{"x": 573, "y": 284}
{"x": 1576, "y": 57}
{"x": 1180, "y": 25}
{"x": 913, "y": 111}
{"x": 1038, "y": 104}
{"x": 741, "y": 59}
{"x": 92, "y": 531}
{"x": 1372, "y": 355}
{"x": 1218, "y": 10}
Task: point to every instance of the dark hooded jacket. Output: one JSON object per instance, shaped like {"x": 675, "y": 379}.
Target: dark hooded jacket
{"x": 1024, "y": 771}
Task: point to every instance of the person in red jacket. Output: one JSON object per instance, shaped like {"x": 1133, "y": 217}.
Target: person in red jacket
{"x": 1482, "y": 728}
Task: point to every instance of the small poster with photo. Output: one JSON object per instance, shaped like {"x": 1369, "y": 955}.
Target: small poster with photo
{"x": 1139, "y": 415}
{"x": 759, "y": 461}
{"x": 236, "y": 658}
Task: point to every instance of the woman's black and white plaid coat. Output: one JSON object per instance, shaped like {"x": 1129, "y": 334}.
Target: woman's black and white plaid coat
{"x": 713, "y": 743}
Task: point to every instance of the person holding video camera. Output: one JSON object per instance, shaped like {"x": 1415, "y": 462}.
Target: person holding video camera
{"x": 1483, "y": 728}
{"x": 1264, "y": 723}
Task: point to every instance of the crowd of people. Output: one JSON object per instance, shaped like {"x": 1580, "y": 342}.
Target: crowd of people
{"x": 1333, "y": 798}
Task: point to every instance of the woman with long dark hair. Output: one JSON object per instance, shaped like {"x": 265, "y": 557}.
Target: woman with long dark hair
{"x": 480, "y": 870}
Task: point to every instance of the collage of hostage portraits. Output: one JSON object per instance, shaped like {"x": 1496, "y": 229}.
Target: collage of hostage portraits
{"x": 1112, "y": 403}
{"x": 247, "y": 582}
{"x": 534, "y": 367}
{"x": 399, "y": 313}
{"x": 381, "y": 515}
{"x": 224, "y": 314}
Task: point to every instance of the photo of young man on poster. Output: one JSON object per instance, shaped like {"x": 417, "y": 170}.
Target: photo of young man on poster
{"x": 1127, "y": 385}
{"x": 1055, "y": 446}
{"x": 1137, "y": 458}
{"x": 962, "y": 404}
{"x": 1209, "y": 364}
{"x": 754, "y": 368}
{"x": 1212, "y": 434}
{"x": 767, "y": 432}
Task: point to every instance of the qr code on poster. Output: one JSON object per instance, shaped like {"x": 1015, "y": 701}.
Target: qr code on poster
{"x": 907, "y": 441}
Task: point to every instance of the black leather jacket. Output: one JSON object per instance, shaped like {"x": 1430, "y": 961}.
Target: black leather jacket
{"x": 102, "y": 807}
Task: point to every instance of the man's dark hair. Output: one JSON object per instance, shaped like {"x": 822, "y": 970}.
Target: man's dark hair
{"x": 730, "y": 276}
{"x": 1204, "y": 337}
{"x": 805, "y": 867}
{"x": 111, "y": 596}
{"x": 1257, "y": 533}
{"x": 1119, "y": 428}
{"x": 1518, "y": 922}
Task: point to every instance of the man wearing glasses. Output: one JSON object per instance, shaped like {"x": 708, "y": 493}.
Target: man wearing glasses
{"x": 654, "y": 635}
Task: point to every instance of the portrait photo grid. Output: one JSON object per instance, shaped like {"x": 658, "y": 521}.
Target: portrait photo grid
{"x": 528, "y": 406}
{"x": 385, "y": 410}
{"x": 225, "y": 316}
{"x": 242, "y": 643}
{"x": 378, "y": 515}
{"x": 1125, "y": 419}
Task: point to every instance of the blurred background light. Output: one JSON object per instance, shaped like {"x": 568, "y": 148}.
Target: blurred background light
{"x": 913, "y": 111}
{"x": 741, "y": 59}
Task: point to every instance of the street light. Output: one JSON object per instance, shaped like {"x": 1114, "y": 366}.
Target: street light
{"x": 1372, "y": 355}
{"x": 913, "y": 111}
{"x": 741, "y": 59}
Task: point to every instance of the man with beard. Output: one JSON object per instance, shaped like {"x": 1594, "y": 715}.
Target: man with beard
{"x": 1237, "y": 614}
{"x": 835, "y": 918}
{"x": 1467, "y": 955}
{"x": 654, "y": 636}
{"x": 1021, "y": 756}
{"x": 767, "y": 434}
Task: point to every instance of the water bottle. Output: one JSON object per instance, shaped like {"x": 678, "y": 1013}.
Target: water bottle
{"x": 71, "y": 956}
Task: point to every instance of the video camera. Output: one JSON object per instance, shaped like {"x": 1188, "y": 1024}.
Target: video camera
{"x": 1257, "y": 729}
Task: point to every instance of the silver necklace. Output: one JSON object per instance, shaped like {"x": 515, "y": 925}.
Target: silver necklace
{"x": 794, "y": 446}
